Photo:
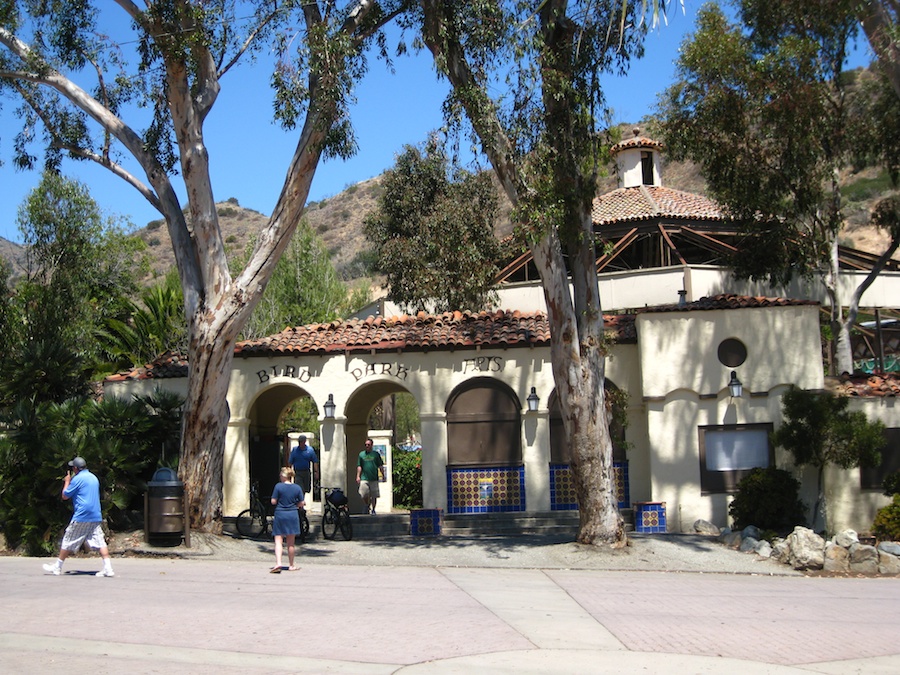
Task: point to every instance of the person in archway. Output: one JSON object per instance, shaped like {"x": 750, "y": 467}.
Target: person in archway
{"x": 287, "y": 498}
{"x": 304, "y": 461}
{"x": 367, "y": 467}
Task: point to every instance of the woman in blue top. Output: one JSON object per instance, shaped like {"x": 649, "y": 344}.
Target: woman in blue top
{"x": 287, "y": 498}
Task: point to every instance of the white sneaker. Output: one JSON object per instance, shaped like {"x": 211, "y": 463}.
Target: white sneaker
{"x": 53, "y": 569}
{"x": 106, "y": 573}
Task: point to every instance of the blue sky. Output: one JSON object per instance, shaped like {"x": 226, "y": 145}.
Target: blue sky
{"x": 249, "y": 153}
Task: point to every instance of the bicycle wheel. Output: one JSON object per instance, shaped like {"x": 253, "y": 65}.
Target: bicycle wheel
{"x": 251, "y": 523}
{"x": 329, "y": 523}
{"x": 345, "y": 524}
{"x": 304, "y": 526}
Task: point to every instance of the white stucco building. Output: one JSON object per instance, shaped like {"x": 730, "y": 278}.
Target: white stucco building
{"x": 683, "y": 331}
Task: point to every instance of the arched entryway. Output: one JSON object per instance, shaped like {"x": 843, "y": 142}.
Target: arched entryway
{"x": 269, "y": 444}
{"x": 484, "y": 454}
{"x": 362, "y": 411}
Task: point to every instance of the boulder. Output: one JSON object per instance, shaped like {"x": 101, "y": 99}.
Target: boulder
{"x": 751, "y": 531}
{"x": 888, "y": 564}
{"x": 781, "y": 551}
{"x": 764, "y": 549}
{"x": 846, "y": 538}
{"x": 807, "y": 549}
{"x": 891, "y": 547}
{"x": 863, "y": 559}
{"x": 732, "y": 539}
{"x": 837, "y": 558}
{"x": 706, "y": 527}
{"x": 748, "y": 545}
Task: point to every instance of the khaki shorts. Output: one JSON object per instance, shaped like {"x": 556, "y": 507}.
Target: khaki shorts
{"x": 369, "y": 489}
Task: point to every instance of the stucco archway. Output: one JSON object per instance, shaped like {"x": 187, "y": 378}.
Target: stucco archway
{"x": 267, "y": 448}
{"x": 356, "y": 430}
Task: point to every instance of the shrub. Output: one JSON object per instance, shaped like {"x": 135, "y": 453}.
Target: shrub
{"x": 892, "y": 484}
{"x": 768, "y": 498}
{"x": 887, "y": 521}
{"x": 407, "y": 477}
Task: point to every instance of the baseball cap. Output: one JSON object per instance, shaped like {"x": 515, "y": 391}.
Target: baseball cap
{"x": 78, "y": 463}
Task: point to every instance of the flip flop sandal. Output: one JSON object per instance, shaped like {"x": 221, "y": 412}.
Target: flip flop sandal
{"x": 275, "y": 570}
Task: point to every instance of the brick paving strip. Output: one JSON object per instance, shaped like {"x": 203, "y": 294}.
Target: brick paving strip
{"x": 182, "y": 616}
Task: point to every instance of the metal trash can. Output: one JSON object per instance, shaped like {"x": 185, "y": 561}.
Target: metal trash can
{"x": 164, "y": 509}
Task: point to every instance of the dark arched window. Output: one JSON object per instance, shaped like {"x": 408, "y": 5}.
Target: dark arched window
{"x": 483, "y": 425}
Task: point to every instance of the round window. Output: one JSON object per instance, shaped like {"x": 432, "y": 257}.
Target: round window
{"x": 732, "y": 352}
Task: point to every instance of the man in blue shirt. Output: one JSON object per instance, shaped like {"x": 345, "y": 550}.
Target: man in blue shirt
{"x": 303, "y": 458}
{"x": 83, "y": 488}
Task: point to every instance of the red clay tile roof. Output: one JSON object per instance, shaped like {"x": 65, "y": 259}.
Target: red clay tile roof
{"x": 646, "y": 202}
{"x": 636, "y": 141}
{"x": 727, "y": 301}
{"x": 865, "y": 386}
{"x": 427, "y": 332}
{"x": 423, "y": 332}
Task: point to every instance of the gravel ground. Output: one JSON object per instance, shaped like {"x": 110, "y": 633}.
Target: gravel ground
{"x": 645, "y": 552}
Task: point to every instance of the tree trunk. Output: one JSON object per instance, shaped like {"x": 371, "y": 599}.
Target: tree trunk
{"x": 205, "y": 423}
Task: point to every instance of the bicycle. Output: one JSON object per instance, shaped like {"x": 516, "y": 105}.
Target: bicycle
{"x": 336, "y": 514}
{"x": 254, "y": 522}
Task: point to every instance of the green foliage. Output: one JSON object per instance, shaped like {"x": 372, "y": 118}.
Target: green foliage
{"x": 407, "y": 478}
{"x": 762, "y": 107}
{"x": 433, "y": 234}
{"x": 304, "y": 289}
{"x": 300, "y": 415}
{"x": 819, "y": 430}
{"x": 406, "y": 417}
{"x": 892, "y": 484}
{"x": 887, "y": 521}
{"x": 769, "y": 499}
{"x": 81, "y": 272}
{"x": 119, "y": 439}
{"x": 154, "y": 326}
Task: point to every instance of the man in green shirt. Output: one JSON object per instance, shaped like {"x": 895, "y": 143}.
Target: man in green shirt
{"x": 367, "y": 468}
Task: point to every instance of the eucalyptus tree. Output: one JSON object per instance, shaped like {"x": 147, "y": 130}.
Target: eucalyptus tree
{"x": 765, "y": 109}
{"x": 85, "y": 88}
{"x": 526, "y": 77}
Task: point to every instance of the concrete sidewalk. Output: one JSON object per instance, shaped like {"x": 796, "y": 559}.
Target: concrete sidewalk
{"x": 228, "y": 616}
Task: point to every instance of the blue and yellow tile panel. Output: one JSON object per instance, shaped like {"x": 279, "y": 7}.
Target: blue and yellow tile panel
{"x": 562, "y": 488}
{"x": 425, "y": 522}
{"x": 486, "y": 490}
{"x": 650, "y": 517}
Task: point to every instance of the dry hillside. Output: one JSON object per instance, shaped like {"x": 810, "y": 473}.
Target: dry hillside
{"x": 338, "y": 220}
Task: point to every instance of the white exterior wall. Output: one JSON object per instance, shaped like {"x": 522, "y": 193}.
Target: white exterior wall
{"x": 684, "y": 387}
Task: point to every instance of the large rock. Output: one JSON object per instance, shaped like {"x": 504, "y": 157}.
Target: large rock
{"x": 781, "y": 551}
{"x": 888, "y": 564}
{"x": 863, "y": 559}
{"x": 748, "y": 545}
{"x": 807, "y": 549}
{"x": 751, "y": 531}
{"x": 891, "y": 547}
{"x": 837, "y": 558}
{"x": 846, "y": 538}
{"x": 706, "y": 527}
{"x": 732, "y": 539}
{"x": 764, "y": 549}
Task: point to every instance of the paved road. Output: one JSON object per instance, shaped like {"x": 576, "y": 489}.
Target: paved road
{"x": 210, "y": 614}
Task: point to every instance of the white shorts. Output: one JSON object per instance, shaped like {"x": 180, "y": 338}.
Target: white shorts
{"x": 77, "y": 533}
